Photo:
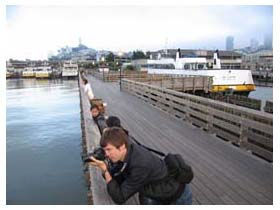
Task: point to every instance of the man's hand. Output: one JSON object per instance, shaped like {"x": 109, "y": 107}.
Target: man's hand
{"x": 98, "y": 163}
{"x": 103, "y": 166}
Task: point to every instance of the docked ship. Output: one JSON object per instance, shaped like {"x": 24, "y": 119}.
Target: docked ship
{"x": 70, "y": 69}
{"x": 9, "y": 74}
{"x": 42, "y": 72}
{"x": 28, "y": 72}
{"x": 224, "y": 80}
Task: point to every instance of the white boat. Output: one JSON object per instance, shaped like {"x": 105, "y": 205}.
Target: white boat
{"x": 10, "y": 72}
{"x": 42, "y": 71}
{"x": 28, "y": 72}
{"x": 235, "y": 80}
{"x": 70, "y": 69}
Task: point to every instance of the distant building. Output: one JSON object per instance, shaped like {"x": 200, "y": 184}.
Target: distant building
{"x": 229, "y": 43}
{"x": 261, "y": 60}
{"x": 254, "y": 45}
{"x": 268, "y": 42}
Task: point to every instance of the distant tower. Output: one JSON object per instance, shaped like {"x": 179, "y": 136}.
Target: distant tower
{"x": 267, "y": 42}
{"x": 80, "y": 41}
{"x": 229, "y": 43}
{"x": 254, "y": 44}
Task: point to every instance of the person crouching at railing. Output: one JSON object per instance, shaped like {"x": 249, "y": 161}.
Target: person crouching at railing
{"x": 142, "y": 171}
{"x": 98, "y": 118}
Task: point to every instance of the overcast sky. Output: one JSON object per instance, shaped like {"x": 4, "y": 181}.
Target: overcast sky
{"x": 36, "y": 31}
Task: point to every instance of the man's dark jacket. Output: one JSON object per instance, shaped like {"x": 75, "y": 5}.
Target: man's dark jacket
{"x": 144, "y": 173}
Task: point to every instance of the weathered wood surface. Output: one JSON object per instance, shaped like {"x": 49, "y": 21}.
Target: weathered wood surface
{"x": 268, "y": 107}
{"x": 183, "y": 84}
{"x": 247, "y": 128}
{"x": 113, "y": 76}
{"x": 224, "y": 174}
{"x": 92, "y": 137}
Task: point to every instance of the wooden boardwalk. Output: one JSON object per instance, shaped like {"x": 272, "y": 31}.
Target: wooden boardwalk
{"x": 224, "y": 174}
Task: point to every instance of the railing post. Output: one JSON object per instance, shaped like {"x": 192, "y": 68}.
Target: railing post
{"x": 243, "y": 139}
{"x": 210, "y": 118}
{"x": 187, "y": 108}
{"x": 103, "y": 75}
{"x": 184, "y": 84}
{"x": 193, "y": 85}
{"x": 120, "y": 79}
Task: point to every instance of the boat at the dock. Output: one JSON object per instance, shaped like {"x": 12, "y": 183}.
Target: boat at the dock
{"x": 28, "y": 72}
{"x": 9, "y": 74}
{"x": 42, "y": 72}
{"x": 224, "y": 80}
{"x": 70, "y": 69}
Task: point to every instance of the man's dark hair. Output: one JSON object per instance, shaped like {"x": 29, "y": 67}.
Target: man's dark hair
{"x": 94, "y": 106}
{"x": 85, "y": 81}
{"x": 113, "y": 121}
{"x": 115, "y": 136}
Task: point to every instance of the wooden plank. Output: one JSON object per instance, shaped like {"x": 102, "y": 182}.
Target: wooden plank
{"x": 226, "y": 135}
{"x": 260, "y": 139}
{"x": 223, "y": 124}
{"x": 260, "y": 151}
{"x": 198, "y": 114}
{"x": 259, "y": 126}
{"x": 198, "y": 122}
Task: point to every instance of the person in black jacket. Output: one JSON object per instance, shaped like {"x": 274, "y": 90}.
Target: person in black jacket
{"x": 143, "y": 172}
{"x": 98, "y": 118}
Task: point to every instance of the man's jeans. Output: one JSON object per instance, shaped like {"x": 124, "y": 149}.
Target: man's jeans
{"x": 184, "y": 199}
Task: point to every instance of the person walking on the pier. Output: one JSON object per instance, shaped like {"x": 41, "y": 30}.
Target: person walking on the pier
{"x": 88, "y": 89}
{"x": 143, "y": 172}
{"x": 98, "y": 118}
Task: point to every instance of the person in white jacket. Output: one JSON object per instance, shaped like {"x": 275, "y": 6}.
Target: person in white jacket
{"x": 88, "y": 89}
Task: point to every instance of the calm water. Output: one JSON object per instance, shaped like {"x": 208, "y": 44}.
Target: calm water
{"x": 263, "y": 93}
{"x": 44, "y": 143}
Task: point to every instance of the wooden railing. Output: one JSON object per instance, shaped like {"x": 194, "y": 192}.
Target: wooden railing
{"x": 239, "y": 100}
{"x": 183, "y": 84}
{"x": 113, "y": 76}
{"x": 249, "y": 129}
{"x": 268, "y": 107}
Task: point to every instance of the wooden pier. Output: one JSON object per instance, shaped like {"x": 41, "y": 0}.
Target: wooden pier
{"x": 224, "y": 173}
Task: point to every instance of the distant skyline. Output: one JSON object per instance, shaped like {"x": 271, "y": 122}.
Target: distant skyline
{"x": 34, "y": 32}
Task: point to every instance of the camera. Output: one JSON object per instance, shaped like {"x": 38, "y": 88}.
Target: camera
{"x": 98, "y": 153}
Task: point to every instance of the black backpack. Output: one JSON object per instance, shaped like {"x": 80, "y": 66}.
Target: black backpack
{"x": 177, "y": 167}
